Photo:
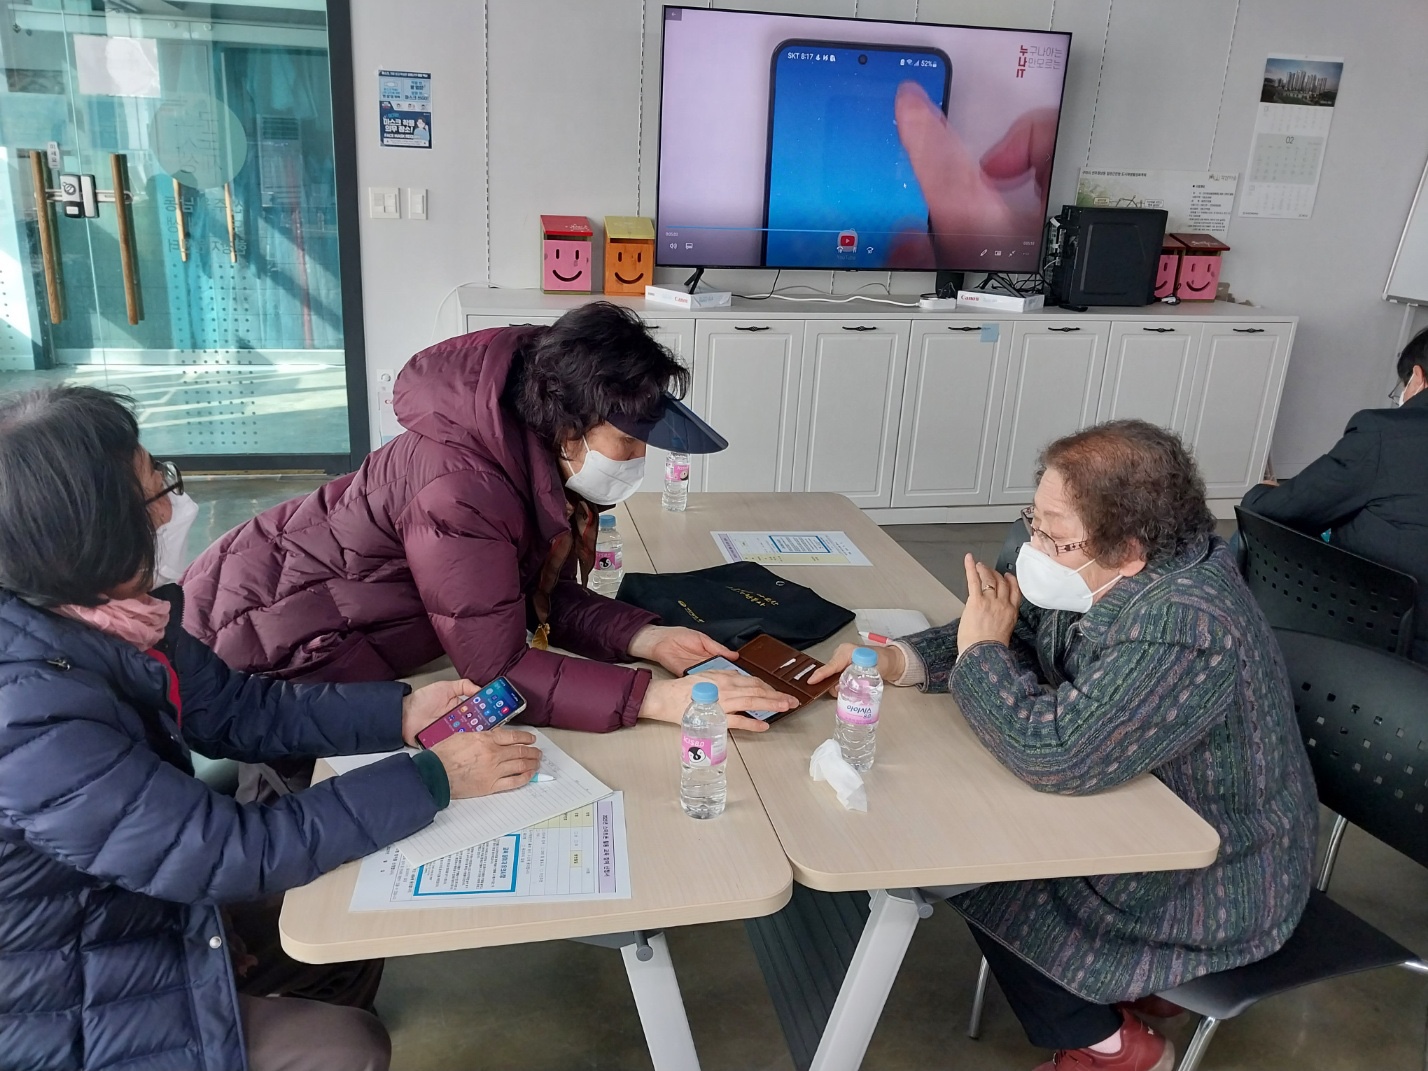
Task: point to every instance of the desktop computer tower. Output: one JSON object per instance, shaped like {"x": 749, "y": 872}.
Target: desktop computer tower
{"x": 1104, "y": 256}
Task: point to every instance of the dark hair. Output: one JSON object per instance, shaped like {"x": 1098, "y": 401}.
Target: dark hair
{"x": 1131, "y": 483}
{"x": 1414, "y": 355}
{"x": 73, "y": 521}
{"x": 594, "y": 362}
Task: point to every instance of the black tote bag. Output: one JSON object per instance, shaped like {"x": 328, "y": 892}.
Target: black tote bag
{"x": 734, "y": 603}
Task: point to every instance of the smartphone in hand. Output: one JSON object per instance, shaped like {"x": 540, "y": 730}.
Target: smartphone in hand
{"x": 493, "y": 705}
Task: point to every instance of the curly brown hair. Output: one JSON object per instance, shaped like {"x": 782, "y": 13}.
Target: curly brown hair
{"x": 1135, "y": 486}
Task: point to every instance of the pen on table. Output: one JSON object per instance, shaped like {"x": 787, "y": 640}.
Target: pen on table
{"x": 539, "y": 777}
{"x": 874, "y": 637}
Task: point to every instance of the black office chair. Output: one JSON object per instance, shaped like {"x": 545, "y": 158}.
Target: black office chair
{"x": 1364, "y": 718}
{"x": 1303, "y": 583}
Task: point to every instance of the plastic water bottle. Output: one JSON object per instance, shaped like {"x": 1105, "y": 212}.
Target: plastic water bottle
{"x": 703, "y": 786}
{"x": 676, "y": 482}
{"x": 860, "y": 696}
{"x": 609, "y": 558}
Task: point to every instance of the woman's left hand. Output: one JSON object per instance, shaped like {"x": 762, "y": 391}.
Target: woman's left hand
{"x": 423, "y": 706}
{"x": 993, "y": 602}
{"x": 676, "y": 649}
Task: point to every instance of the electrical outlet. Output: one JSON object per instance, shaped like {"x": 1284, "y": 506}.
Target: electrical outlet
{"x": 384, "y": 202}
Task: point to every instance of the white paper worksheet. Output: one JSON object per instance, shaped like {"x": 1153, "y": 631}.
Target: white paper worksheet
{"x": 580, "y": 855}
{"x": 474, "y": 821}
{"x": 790, "y": 548}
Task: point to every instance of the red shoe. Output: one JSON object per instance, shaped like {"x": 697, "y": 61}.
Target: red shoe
{"x": 1154, "y": 1007}
{"x": 1142, "y": 1049}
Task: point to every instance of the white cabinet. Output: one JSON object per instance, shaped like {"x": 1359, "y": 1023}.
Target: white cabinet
{"x": 676, "y": 335}
{"x": 1150, "y": 370}
{"x": 940, "y": 416}
{"x": 850, "y": 399}
{"x": 951, "y": 410}
{"x": 1238, "y": 379}
{"x": 746, "y": 379}
{"x": 1053, "y": 388}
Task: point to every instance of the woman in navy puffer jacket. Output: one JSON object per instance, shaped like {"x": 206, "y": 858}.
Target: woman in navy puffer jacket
{"x": 114, "y": 859}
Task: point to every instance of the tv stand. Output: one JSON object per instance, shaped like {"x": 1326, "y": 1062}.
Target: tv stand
{"x": 693, "y": 280}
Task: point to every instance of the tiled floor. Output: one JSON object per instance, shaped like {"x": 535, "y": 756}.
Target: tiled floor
{"x": 562, "y": 1005}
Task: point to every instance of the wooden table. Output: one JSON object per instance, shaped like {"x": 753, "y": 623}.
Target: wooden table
{"x": 942, "y": 812}
{"x": 682, "y": 872}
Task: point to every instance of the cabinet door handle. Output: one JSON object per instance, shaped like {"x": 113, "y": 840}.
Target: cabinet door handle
{"x": 1160, "y": 330}
{"x": 755, "y": 327}
{"x": 1248, "y": 330}
{"x": 975, "y": 327}
{"x": 1063, "y": 330}
{"x": 860, "y": 327}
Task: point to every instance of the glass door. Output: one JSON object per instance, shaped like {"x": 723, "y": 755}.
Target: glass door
{"x": 169, "y": 223}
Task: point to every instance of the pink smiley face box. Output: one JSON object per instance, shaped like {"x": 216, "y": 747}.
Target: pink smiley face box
{"x": 567, "y": 243}
{"x": 1195, "y": 273}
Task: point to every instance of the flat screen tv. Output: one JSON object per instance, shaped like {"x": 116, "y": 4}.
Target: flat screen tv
{"x": 794, "y": 141}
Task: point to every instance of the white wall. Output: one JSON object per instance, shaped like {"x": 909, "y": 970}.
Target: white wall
{"x": 574, "y": 101}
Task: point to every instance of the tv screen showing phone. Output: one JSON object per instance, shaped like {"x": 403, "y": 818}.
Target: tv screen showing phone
{"x": 791, "y": 141}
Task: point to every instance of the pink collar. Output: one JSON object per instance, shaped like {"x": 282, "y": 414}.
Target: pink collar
{"x": 140, "y": 621}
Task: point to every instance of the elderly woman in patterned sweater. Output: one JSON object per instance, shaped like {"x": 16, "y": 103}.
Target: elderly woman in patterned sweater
{"x": 1126, "y": 643}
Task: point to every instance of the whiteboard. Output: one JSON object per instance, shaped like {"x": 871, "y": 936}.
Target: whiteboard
{"x": 1408, "y": 278}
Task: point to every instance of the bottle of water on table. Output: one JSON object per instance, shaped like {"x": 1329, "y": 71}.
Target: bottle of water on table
{"x": 676, "y": 482}
{"x": 860, "y": 696}
{"x": 609, "y": 558}
{"x": 703, "y": 786}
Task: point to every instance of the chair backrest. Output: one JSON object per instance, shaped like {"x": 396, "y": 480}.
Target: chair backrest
{"x": 1364, "y": 718}
{"x": 1305, "y": 584}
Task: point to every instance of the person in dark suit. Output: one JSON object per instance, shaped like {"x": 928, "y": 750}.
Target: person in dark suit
{"x": 1370, "y": 492}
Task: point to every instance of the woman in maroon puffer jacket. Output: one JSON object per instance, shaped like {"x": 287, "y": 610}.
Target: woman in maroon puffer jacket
{"x": 462, "y": 534}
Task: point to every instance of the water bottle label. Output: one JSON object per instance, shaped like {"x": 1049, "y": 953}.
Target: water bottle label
{"x": 609, "y": 559}
{"x": 676, "y": 470}
{"x": 854, "y": 712}
{"x": 704, "y": 752}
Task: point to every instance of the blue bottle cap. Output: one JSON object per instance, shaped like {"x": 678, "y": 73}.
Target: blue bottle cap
{"x": 607, "y": 520}
{"x": 706, "y": 692}
{"x": 865, "y": 657}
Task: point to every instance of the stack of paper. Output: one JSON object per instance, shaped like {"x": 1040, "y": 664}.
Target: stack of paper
{"x": 469, "y": 822}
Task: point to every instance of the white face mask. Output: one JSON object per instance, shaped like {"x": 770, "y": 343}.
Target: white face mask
{"x": 605, "y": 481}
{"x": 171, "y": 539}
{"x": 1047, "y": 583}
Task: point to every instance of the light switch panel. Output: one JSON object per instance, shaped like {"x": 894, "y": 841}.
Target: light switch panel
{"x": 384, "y": 202}
{"x": 416, "y": 203}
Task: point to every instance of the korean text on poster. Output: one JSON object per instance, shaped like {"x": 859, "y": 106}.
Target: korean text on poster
{"x": 404, "y": 103}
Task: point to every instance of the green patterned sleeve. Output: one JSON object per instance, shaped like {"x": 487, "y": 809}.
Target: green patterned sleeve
{"x": 1139, "y": 705}
{"x": 937, "y": 648}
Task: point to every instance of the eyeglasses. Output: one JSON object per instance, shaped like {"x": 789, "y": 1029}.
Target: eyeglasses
{"x": 1038, "y": 536}
{"x": 173, "y": 481}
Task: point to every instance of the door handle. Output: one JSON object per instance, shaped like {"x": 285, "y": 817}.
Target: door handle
{"x": 1160, "y": 330}
{"x": 1063, "y": 330}
{"x": 232, "y": 230}
{"x": 1248, "y": 330}
{"x": 974, "y": 327}
{"x": 182, "y": 225}
{"x": 755, "y": 327}
{"x": 49, "y": 248}
{"x": 128, "y": 261}
{"x": 860, "y": 327}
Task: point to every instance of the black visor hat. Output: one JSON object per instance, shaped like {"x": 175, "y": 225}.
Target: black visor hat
{"x": 673, "y": 427}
